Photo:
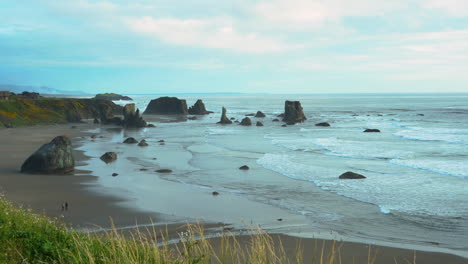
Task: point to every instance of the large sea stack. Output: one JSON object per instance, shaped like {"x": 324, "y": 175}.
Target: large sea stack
{"x": 132, "y": 118}
{"x": 198, "y": 108}
{"x": 167, "y": 106}
{"x": 293, "y": 112}
{"x": 55, "y": 157}
{"x": 224, "y": 118}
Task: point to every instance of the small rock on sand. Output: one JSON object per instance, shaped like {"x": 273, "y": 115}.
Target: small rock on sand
{"x": 164, "y": 171}
{"x": 245, "y": 167}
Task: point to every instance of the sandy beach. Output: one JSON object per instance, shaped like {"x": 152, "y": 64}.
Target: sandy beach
{"x": 46, "y": 193}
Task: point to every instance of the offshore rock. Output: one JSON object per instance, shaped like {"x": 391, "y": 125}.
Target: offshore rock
{"x": 167, "y": 106}
{"x": 109, "y": 157}
{"x": 351, "y": 176}
{"x": 132, "y": 118}
{"x": 224, "y": 118}
{"x": 259, "y": 114}
{"x": 293, "y": 112}
{"x": 198, "y": 108}
{"x": 246, "y": 122}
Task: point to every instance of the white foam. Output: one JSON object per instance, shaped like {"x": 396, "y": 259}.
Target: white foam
{"x": 400, "y": 192}
{"x": 457, "y": 168}
{"x": 451, "y": 135}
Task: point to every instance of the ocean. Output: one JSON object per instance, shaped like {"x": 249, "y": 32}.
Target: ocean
{"x": 415, "y": 194}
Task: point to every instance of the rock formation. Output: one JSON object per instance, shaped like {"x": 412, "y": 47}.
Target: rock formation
{"x": 167, "y": 106}
{"x": 164, "y": 171}
{"x": 323, "y": 124}
{"x": 371, "y": 130}
{"x": 351, "y": 176}
{"x": 55, "y": 157}
{"x": 130, "y": 140}
{"x": 293, "y": 112}
{"x": 198, "y": 108}
{"x": 259, "y": 123}
{"x": 245, "y": 167}
{"x": 143, "y": 143}
{"x": 109, "y": 157}
{"x": 259, "y": 114}
{"x": 112, "y": 97}
{"x": 132, "y": 118}
{"x": 246, "y": 122}
{"x": 224, "y": 118}
{"x": 275, "y": 120}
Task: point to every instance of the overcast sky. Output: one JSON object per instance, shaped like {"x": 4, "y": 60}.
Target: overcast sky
{"x": 276, "y": 46}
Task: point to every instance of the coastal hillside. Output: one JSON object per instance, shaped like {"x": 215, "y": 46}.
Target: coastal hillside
{"x": 42, "y": 111}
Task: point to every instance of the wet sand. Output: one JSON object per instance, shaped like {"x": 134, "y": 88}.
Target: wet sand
{"x": 88, "y": 209}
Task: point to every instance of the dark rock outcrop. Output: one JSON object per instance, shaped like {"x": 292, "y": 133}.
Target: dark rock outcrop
{"x": 151, "y": 125}
{"x": 280, "y": 115}
{"x": 130, "y": 140}
{"x": 293, "y": 112}
{"x": 259, "y": 123}
{"x": 245, "y": 167}
{"x": 259, "y": 114}
{"x": 164, "y": 171}
{"x": 55, "y": 157}
{"x": 167, "y": 106}
{"x": 224, "y": 118}
{"x": 198, "y": 108}
{"x": 132, "y": 118}
{"x": 284, "y": 125}
{"x": 250, "y": 115}
{"x": 115, "y": 174}
{"x": 372, "y": 130}
{"x": 112, "y": 97}
{"x": 215, "y": 193}
{"x": 96, "y": 121}
{"x": 323, "y": 124}
{"x": 351, "y": 176}
{"x": 275, "y": 120}
{"x": 109, "y": 157}
{"x": 246, "y": 122}
{"x": 143, "y": 143}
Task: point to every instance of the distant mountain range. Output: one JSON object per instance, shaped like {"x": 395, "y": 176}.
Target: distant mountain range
{"x": 36, "y": 89}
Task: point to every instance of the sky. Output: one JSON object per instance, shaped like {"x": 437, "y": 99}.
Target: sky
{"x": 245, "y": 46}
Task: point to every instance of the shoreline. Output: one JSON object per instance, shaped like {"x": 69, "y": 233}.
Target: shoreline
{"x": 89, "y": 208}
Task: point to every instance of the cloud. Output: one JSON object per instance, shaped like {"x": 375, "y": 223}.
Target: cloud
{"x": 216, "y": 33}
{"x": 457, "y": 8}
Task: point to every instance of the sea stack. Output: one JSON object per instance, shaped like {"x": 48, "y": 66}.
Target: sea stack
{"x": 55, "y": 157}
{"x": 167, "y": 106}
{"x": 293, "y": 112}
{"x": 224, "y": 118}
{"x": 132, "y": 118}
{"x": 198, "y": 108}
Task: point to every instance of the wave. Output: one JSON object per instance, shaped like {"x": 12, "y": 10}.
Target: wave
{"x": 446, "y": 167}
{"x": 398, "y": 192}
{"x": 450, "y": 135}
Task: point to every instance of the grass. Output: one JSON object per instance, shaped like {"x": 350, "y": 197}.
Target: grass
{"x": 30, "y": 238}
{"x": 44, "y": 111}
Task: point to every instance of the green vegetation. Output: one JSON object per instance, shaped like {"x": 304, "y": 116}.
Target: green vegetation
{"x": 23, "y": 112}
{"x": 29, "y": 238}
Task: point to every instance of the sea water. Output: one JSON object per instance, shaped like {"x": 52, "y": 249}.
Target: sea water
{"x": 416, "y": 190}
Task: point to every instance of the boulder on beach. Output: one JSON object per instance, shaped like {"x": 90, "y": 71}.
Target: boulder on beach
{"x": 284, "y": 125}
{"x": 130, "y": 140}
{"x": 132, "y": 118}
{"x": 259, "y": 114}
{"x": 96, "y": 121}
{"x": 215, "y": 193}
{"x": 115, "y": 174}
{"x": 55, "y": 157}
{"x": 372, "y": 130}
{"x": 143, "y": 143}
{"x": 250, "y": 114}
{"x": 109, "y": 157}
{"x": 323, "y": 124}
{"x": 275, "y": 120}
{"x": 167, "y": 106}
{"x": 192, "y": 118}
{"x": 259, "y": 123}
{"x": 293, "y": 112}
{"x": 245, "y": 167}
{"x": 150, "y": 125}
{"x": 224, "y": 118}
{"x": 198, "y": 108}
{"x": 351, "y": 176}
{"x": 246, "y": 122}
